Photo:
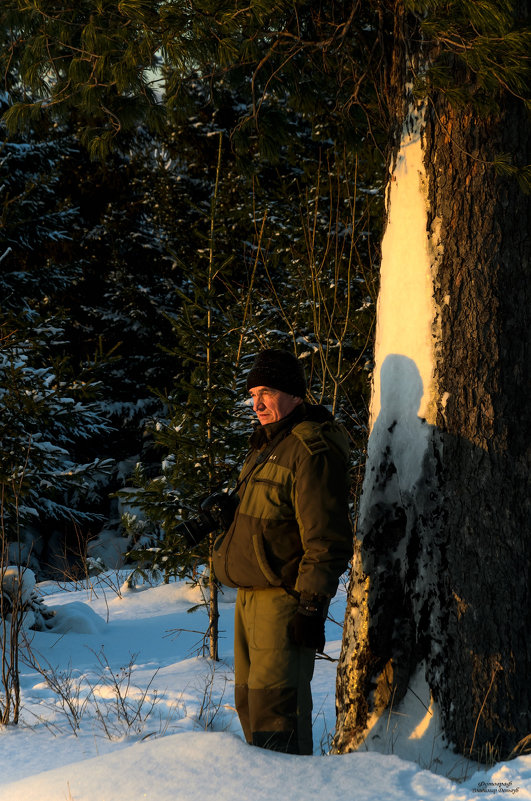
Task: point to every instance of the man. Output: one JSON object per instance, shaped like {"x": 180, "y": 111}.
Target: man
{"x": 288, "y": 544}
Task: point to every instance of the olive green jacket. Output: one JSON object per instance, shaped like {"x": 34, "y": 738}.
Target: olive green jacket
{"x": 292, "y": 526}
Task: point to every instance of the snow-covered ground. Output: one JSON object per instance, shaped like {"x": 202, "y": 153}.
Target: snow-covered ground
{"x": 119, "y": 704}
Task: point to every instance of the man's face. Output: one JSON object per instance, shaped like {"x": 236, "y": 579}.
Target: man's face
{"x": 272, "y": 405}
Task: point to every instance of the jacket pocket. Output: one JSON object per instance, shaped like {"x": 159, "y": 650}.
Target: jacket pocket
{"x": 266, "y": 498}
{"x": 219, "y": 557}
{"x": 263, "y": 564}
{"x": 235, "y": 560}
{"x": 268, "y": 481}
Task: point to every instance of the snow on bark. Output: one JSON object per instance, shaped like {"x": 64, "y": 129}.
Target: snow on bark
{"x": 390, "y": 579}
{"x": 403, "y": 381}
{"x": 401, "y": 460}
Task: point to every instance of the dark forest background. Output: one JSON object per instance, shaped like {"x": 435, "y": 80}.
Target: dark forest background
{"x": 134, "y": 290}
{"x": 181, "y": 185}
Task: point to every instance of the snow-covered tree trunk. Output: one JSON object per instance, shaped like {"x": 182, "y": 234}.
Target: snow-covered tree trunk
{"x": 441, "y": 570}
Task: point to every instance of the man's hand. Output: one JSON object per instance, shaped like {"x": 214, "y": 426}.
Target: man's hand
{"x": 307, "y": 627}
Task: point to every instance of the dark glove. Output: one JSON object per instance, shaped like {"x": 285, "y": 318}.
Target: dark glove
{"x": 221, "y": 507}
{"x": 307, "y": 626}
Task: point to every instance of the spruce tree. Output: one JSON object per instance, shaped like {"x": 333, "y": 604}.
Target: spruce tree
{"x": 51, "y": 415}
{"x": 45, "y": 415}
{"x": 199, "y": 435}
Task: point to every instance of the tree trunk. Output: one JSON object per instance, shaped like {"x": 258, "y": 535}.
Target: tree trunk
{"x": 441, "y": 574}
{"x": 213, "y": 609}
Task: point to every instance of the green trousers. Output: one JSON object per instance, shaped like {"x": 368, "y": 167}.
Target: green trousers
{"x": 272, "y": 676}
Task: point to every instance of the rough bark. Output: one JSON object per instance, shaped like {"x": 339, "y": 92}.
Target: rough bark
{"x": 441, "y": 571}
{"x": 483, "y": 360}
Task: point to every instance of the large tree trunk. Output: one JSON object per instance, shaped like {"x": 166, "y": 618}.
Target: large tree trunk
{"x": 441, "y": 574}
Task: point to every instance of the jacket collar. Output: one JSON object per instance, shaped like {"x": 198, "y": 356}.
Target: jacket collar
{"x": 262, "y": 435}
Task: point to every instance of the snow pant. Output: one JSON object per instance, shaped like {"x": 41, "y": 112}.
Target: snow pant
{"x": 272, "y": 676}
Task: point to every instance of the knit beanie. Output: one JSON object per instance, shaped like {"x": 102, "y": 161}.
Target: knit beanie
{"x": 278, "y": 369}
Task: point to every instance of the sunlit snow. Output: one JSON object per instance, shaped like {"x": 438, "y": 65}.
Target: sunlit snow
{"x": 141, "y": 714}
{"x": 406, "y": 310}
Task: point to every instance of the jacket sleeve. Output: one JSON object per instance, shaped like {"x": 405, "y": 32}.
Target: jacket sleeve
{"x": 321, "y": 507}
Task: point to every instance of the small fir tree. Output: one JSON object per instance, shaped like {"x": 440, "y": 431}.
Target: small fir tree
{"x": 200, "y": 436}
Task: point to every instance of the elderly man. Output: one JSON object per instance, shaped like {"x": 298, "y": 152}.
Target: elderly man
{"x": 285, "y": 550}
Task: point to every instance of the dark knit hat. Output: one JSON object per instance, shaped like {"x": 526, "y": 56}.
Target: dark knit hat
{"x": 278, "y": 369}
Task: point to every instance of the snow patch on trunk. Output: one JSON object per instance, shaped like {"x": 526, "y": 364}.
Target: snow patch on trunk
{"x": 396, "y": 575}
{"x": 403, "y": 397}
